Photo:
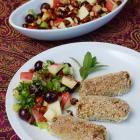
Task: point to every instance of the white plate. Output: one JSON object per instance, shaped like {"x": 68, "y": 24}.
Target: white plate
{"x": 17, "y": 19}
{"x": 116, "y": 57}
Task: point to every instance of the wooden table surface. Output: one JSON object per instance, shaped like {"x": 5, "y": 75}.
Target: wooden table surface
{"x": 16, "y": 49}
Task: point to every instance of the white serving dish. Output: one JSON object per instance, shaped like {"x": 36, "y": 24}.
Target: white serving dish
{"x": 116, "y": 57}
{"x": 17, "y": 19}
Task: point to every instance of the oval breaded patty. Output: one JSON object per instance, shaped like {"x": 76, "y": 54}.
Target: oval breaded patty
{"x": 70, "y": 128}
{"x": 102, "y": 108}
{"x": 112, "y": 84}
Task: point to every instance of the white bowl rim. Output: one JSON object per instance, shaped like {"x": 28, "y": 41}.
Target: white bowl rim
{"x": 58, "y": 30}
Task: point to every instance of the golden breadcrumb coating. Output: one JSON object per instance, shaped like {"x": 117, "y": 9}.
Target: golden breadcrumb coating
{"x": 102, "y": 108}
{"x": 112, "y": 84}
{"x": 71, "y": 128}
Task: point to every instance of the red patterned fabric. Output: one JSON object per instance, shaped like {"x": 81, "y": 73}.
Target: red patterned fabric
{"x": 16, "y": 49}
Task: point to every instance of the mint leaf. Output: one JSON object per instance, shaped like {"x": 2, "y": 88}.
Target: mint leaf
{"x": 90, "y": 64}
{"x": 83, "y": 72}
{"x": 94, "y": 61}
{"x": 87, "y": 63}
{"x": 96, "y": 68}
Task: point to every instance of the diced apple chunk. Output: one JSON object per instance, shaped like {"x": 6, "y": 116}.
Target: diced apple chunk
{"x": 65, "y": 100}
{"x": 69, "y": 82}
{"x": 83, "y": 12}
{"x": 65, "y": 1}
{"x": 70, "y": 7}
{"x": 54, "y": 110}
{"x": 56, "y": 107}
{"x": 81, "y": 1}
{"x": 61, "y": 25}
{"x": 26, "y": 76}
{"x": 110, "y": 5}
{"x": 45, "y": 103}
{"x": 50, "y": 115}
{"x": 92, "y": 1}
{"x": 70, "y": 20}
{"x": 55, "y": 68}
{"x": 97, "y": 8}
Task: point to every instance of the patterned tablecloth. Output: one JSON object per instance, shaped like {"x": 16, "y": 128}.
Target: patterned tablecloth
{"x": 16, "y": 49}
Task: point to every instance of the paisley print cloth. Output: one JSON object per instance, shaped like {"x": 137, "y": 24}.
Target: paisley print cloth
{"x": 16, "y": 49}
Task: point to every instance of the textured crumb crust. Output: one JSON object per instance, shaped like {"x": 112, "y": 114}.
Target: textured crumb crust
{"x": 70, "y": 128}
{"x": 102, "y": 108}
{"x": 112, "y": 84}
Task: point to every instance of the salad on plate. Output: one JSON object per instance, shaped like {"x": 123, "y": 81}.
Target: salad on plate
{"x": 44, "y": 92}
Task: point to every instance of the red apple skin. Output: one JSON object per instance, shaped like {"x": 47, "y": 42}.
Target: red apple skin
{"x": 65, "y": 100}
{"x": 26, "y": 76}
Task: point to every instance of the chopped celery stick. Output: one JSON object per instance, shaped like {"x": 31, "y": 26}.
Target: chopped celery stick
{"x": 16, "y": 107}
{"x": 66, "y": 69}
{"x": 42, "y": 125}
{"x": 43, "y": 25}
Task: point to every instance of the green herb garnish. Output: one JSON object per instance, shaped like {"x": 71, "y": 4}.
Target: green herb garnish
{"x": 55, "y": 84}
{"x": 23, "y": 96}
{"x": 44, "y": 69}
{"x": 40, "y": 83}
{"x": 90, "y": 64}
{"x": 66, "y": 69}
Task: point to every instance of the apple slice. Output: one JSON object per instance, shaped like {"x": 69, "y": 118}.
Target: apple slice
{"x": 69, "y": 82}
{"x": 55, "y": 68}
{"x": 65, "y": 100}
{"x": 26, "y": 76}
